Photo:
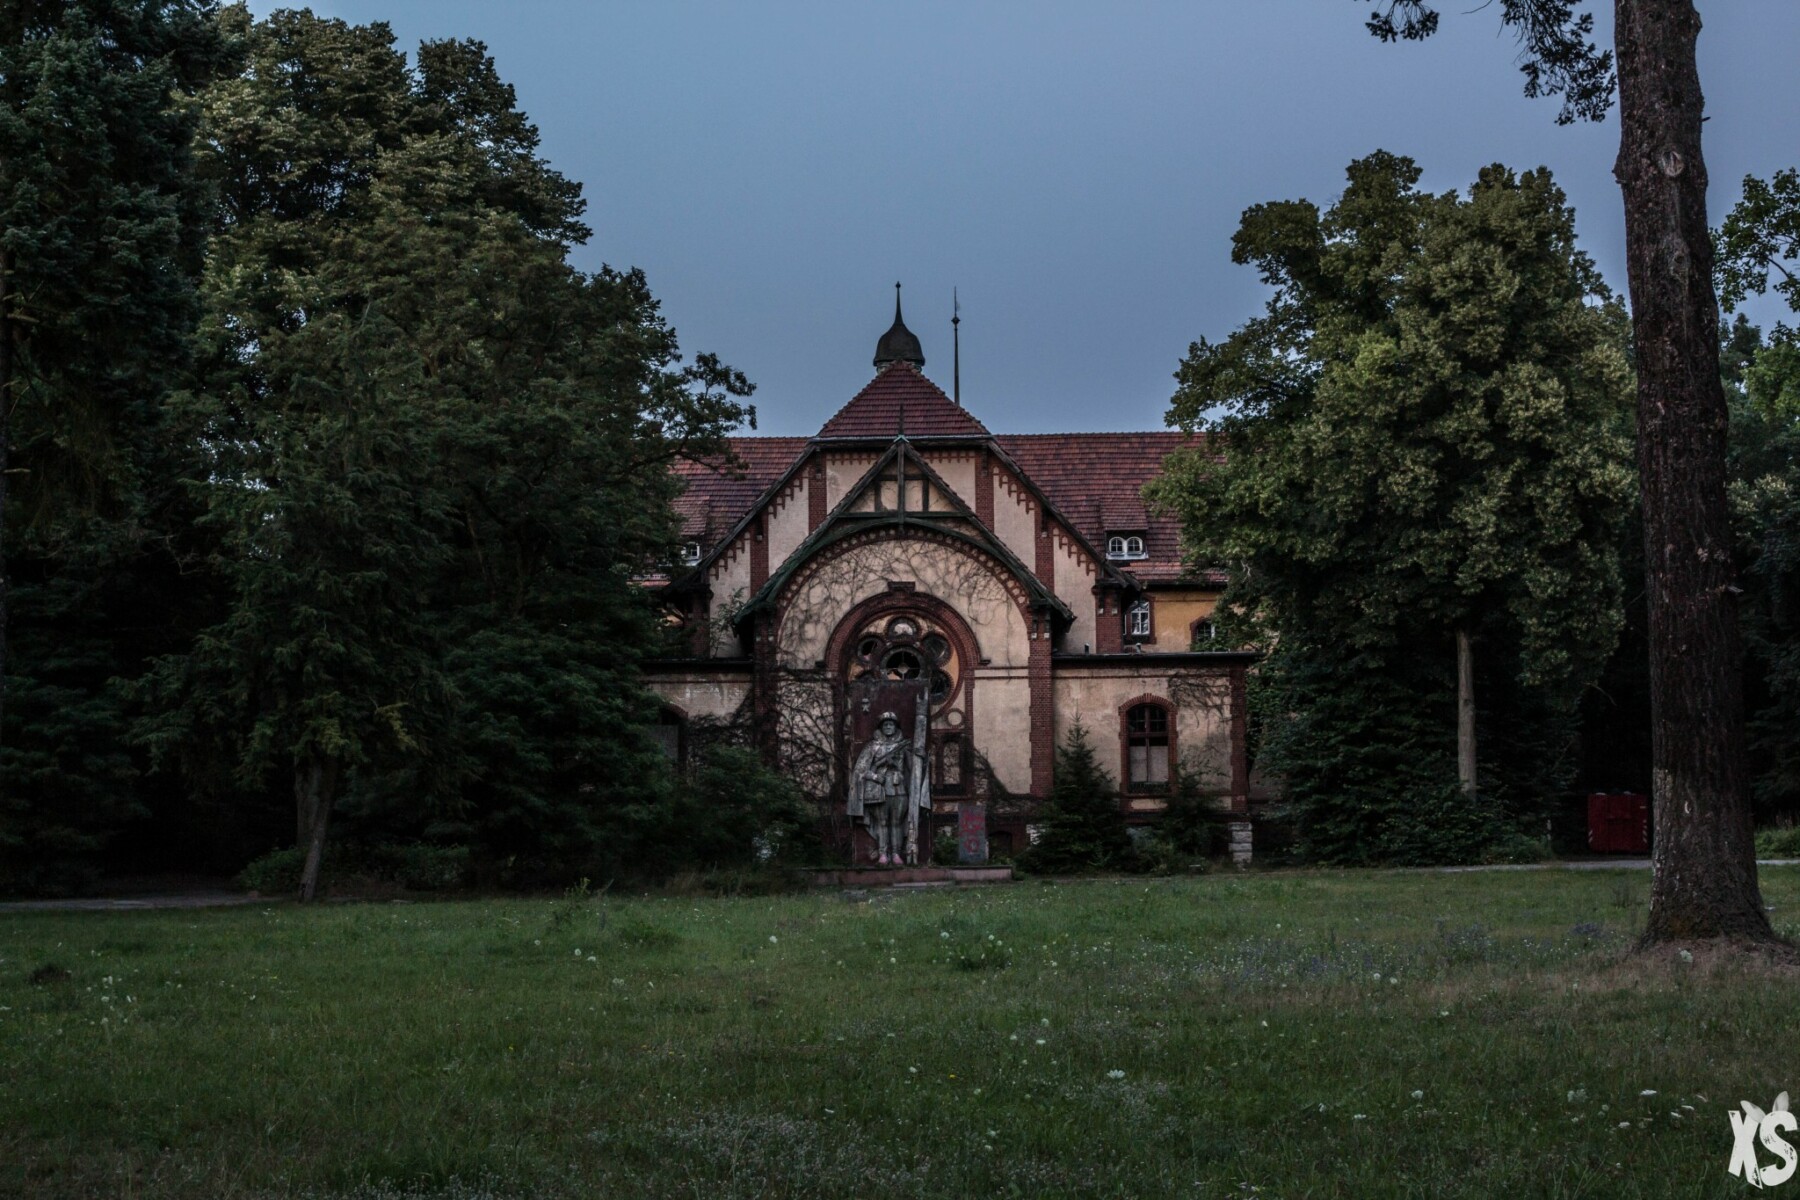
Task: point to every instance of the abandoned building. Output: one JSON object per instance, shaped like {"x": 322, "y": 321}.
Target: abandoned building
{"x": 1015, "y": 582}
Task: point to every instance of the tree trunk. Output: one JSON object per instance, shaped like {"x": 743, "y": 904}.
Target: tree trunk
{"x": 1704, "y": 884}
{"x": 6, "y": 407}
{"x": 315, "y": 786}
{"x": 1465, "y": 713}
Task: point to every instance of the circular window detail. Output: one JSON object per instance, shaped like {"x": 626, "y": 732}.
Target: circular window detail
{"x": 905, "y": 648}
{"x": 901, "y": 664}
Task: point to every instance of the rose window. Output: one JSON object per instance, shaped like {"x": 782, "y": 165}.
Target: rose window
{"x": 903, "y": 650}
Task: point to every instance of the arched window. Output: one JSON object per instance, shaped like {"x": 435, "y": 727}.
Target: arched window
{"x": 1202, "y": 634}
{"x": 1137, "y": 620}
{"x": 1146, "y": 748}
{"x": 1125, "y": 546}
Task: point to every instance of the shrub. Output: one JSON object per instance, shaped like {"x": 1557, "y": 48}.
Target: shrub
{"x": 1778, "y": 843}
{"x": 418, "y": 867}
{"x": 1083, "y": 829}
{"x": 1193, "y": 824}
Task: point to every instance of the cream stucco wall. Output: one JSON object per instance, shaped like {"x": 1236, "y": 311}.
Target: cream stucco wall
{"x": 1201, "y": 698}
{"x": 788, "y": 521}
{"x": 957, "y": 469}
{"x": 730, "y": 583}
{"x": 700, "y": 694}
{"x": 838, "y": 580}
{"x": 843, "y": 472}
{"x": 1075, "y": 588}
{"x": 1002, "y": 724}
{"x": 1015, "y": 517}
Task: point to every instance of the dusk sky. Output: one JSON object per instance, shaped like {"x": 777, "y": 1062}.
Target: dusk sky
{"x": 1076, "y": 171}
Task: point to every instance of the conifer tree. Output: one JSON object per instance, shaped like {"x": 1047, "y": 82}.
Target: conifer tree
{"x": 1082, "y": 826}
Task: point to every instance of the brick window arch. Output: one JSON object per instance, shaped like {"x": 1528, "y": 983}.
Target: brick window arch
{"x": 1147, "y": 744}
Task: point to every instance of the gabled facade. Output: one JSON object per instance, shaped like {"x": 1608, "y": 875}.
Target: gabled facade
{"x": 1019, "y": 579}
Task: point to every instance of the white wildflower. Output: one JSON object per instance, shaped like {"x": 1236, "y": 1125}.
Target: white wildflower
{"x": 1115, "y": 1074}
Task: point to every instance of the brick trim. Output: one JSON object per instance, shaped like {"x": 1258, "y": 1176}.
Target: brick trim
{"x": 984, "y": 490}
{"x": 1240, "y": 742}
{"x": 815, "y": 493}
{"x": 1043, "y": 708}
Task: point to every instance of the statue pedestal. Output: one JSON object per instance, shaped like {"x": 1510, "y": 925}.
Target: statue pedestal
{"x": 894, "y": 876}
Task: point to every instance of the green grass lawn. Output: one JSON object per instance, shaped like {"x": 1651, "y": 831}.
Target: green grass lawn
{"x": 1341, "y": 1034}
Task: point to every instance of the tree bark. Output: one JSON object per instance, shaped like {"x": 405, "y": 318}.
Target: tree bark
{"x": 1465, "y": 713}
{"x": 315, "y": 786}
{"x": 1704, "y": 884}
{"x": 6, "y": 406}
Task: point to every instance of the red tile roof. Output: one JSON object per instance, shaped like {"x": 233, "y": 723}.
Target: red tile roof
{"x": 898, "y": 400}
{"x": 1095, "y": 480}
{"x": 718, "y": 495}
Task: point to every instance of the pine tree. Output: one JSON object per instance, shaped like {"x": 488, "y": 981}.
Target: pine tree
{"x": 101, "y": 230}
{"x": 1083, "y": 828}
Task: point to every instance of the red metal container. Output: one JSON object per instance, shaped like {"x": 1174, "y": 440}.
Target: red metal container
{"x": 1618, "y": 823}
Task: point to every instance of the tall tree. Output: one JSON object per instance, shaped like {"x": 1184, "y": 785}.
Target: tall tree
{"x": 1704, "y": 885}
{"x": 432, "y": 452}
{"x": 100, "y": 241}
{"x": 1425, "y": 450}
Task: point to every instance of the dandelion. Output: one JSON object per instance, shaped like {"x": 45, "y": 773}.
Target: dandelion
{"x": 1648, "y": 1092}
{"x": 578, "y": 952}
{"x": 1624, "y": 1124}
{"x": 912, "y": 1070}
{"x": 1687, "y": 956}
{"x": 944, "y": 933}
{"x": 1115, "y": 1074}
{"x": 773, "y": 939}
{"x": 591, "y": 958}
{"x": 1040, "y": 1041}
{"x": 1359, "y": 1116}
{"x": 1419, "y": 1095}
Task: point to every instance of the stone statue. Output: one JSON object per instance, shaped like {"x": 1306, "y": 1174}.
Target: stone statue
{"x": 888, "y": 791}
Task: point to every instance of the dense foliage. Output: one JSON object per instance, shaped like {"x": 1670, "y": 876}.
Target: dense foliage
{"x": 101, "y": 233}
{"x": 1424, "y": 436}
{"x": 410, "y": 469}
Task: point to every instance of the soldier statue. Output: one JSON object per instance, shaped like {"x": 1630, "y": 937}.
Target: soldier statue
{"x": 888, "y": 791}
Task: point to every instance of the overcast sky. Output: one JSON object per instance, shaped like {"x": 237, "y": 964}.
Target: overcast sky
{"x": 1076, "y": 170}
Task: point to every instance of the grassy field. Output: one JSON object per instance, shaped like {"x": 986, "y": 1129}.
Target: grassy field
{"x": 1287, "y": 1034}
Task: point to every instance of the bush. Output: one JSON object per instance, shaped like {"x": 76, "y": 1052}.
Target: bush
{"x": 1193, "y": 824}
{"x": 1159, "y": 854}
{"x": 945, "y": 848}
{"x": 1083, "y": 829}
{"x": 1778, "y": 843}
{"x": 416, "y": 867}
{"x": 276, "y": 873}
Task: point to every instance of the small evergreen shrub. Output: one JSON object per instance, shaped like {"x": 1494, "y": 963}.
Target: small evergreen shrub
{"x": 1083, "y": 829}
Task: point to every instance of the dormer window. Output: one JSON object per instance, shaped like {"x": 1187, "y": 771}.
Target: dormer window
{"x": 690, "y": 554}
{"x": 1124, "y": 547}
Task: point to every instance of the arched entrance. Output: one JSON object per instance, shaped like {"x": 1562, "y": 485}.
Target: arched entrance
{"x": 882, "y": 656}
